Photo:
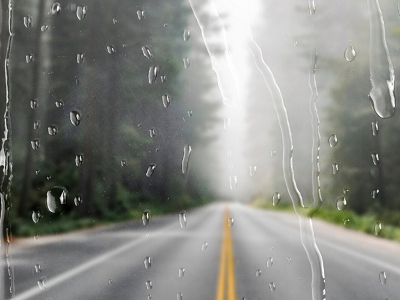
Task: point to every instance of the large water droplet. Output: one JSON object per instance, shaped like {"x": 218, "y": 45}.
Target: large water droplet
{"x": 52, "y": 130}
{"x": 75, "y": 117}
{"x": 146, "y": 217}
{"x": 29, "y": 58}
{"x": 350, "y": 54}
{"x": 382, "y": 277}
{"x": 59, "y": 104}
{"x": 78, "y": 200}
{"x": 35, "y": 144}
{"x": 182, "y": 219}
{"x": 181, "y": 272}
{"x": 44, "y": 27}
{"x": 186, "y": 35}
{"x": 111, "y": 49}
{"x": 333, "y": 140}
{"x": 341, "y": 203}
{"x": 186, "y": 62}
{"x": 147, "y": 262}
{"x": 60, "y": 193}
{"x": 28, "y": 21}
{"x": 149, "y": 285}
{"x": 270, "y": 262}
{"x": 42, "y": 283}
{"x": 179, "y": 296}
{"x": 276, "y": 198}
{"x": 55, "y": 9}
{"x": 375, "y": 128}
{"x": 140, "y": 14}
{"x": 335, "y": 168}
{"x": 37, "y": 215}
{"x": 375, "y": 158}
{"x": 36, "y": 125}
{"x": 38, "y": 268}
{"x": 150, "y": 170}
{"x": 147, "y": 52}
{"x": 375, "y": 193}
{"x": 377, "y": 228}
{"x": 311, "y": 6}
{"x": 80, "y": 58}
{"x": 230, "y": 222}
{"x": 81, "y": 12}
{"x": 272, "y": 286}
{"x": 258, "y": 273}
{"x": 79, "y": 159}
{"x": 152, "y": 75}
{"x": 187, "y": 150}
{"x": 166, "y": 100}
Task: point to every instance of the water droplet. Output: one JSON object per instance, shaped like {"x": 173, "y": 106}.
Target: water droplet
{"x": 58, "y": 192}
{"x": 375, "y": 158}
{"x": 182, "y": 219}
{"x": 270, "y": 262}
{"x": 35, "y": 144}
{"x": 79, "y": 159}
{"x": 38, "y": 268}
{"x": 289, "y": 259}
{"x": 42, "y": 283}
{"x": 147, "y": 262}
{"x": 152, "y": 132}
{"x": 377, "y": 228}
{"x": 311, "y": 6}
{"x": 59, "y": 104}
{"x": 37, "y": 215}
{"x": 49, "y": 177}
{"x": 350, "y": 54}
{"x": 149, "y": 284}
{"x": 186, "y": 35}
{"x": 346, "y": 221}
{"x": 80, "y": 58}
{"x": 233, "y": 182}
{"x": 383, "y": 277}
{"x": 147, "y": 52}
{"x": 335, "y": 168}
{"x": 166, "y": 100}
{"x": 148, "y": 297}
{"x": 123, "y": 163}
{"x": 345, "y": 191}
{"x": 186, "y": 62}
{"x": 111, "y": 49}
{"x": 181, "y": 272}
{"x": 375, "y": 128}
{"x": 204, "y": 246}
{"x": 28, "y": 21}
{"x": 110, "y": 281}
{"x": 375, "y": 193}
{"x": 163, "y": 78}
{"x": 341, "y": 203}
{"x": 44, "y": 27}
{"x": 140, "y": 14}
{"x": 55, "y": 9}
{"x": 146, "y": 217}
{"x": 36, "y": 125}
{"x": 179, "y": 296}
{"x": 333, "y": 140}
{"x": 272, "y": 286}
{"x": 273, "y": 152}
{"x": 276, "y": 198}
{"x": 75, "y": 117}
{"x": 150, "y": 170}
{"x": 81, "y": 12}
{"x": 78, "y": 200}
{"x": 52, "y": 130}
{"x": 190, "y": 113}
{"x": 258, "y": 273}
{"x": 230, "y": 222}
{"x": 227, "y": 123}
{"x": 29, "y": 58}
{"x": 187, "y": 150}
{"x": 253, "y": 170}
{"x": 152, "y": 75}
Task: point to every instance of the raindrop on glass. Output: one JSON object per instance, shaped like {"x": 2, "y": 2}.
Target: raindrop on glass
{"x": 58, "y": 192}
{"x": 377, "y": 228}
{"x": 181, "y": 272}
{"x": 382, "y": 277}
{"x": 38, "y": 268}
{"x": 375, "y": 128}
{"x": 115, "y": 21}
{"x": 190, "y": 113}
{"x": 333, "y": 140}
{"x": 42, "y": 283}
{"x": 79, "y": 159}
{"x": 233, "y": 181}
{"x": 80, "y": 57}
{"x": 227, "y": 123}
{"x": 147, "y": 262}
{"x": 289, "y": 259}
{"x": 230, "y": 222}
{"x": 37, "y": 215}
{"x": 341, "y": 203}
{"x": 270, "y": 262}
{"x": 35, "y": 144}
{"x": 152, "y": 75}
{"x": 150, "y": 170}
{"x": 52, "y": 130}
{"x": 166, "y": 100}
{"x": 78, "y": 200}
{"x": 81, "y": 12}
{"x": 55, "y": 9}
{"x": 146, "y": 217}
{"x": 182, "y": 219}
{"x": 29, "y": 58}
{"x": 111, "y": 49}
{"x": 346, "y": 221}
{"x": 272, "y": 286}
{"x": 44, "y": 27}
{"x": 75, "y": 117}
{"x": 186, "y": 62}
{"x": 179, "y": 296}
{"x": 335, "y": 168}
{"x": 140, "y": 14}
{"x": 375, "y": 193}
{"x": 36, "y": 125}
{"x": 187, "y": 150}
{"x": 311, "y": 6}
{"x": 375, "y": 158}
{"x": 28, "y": 21}
{"x": 152, "y": 132}
{"x": 253, "y": 170}
{"x": 276, "y": 198}
{"x": 163, "y": 78}
{"x": 186, "y": 35}
{"x": 59, "y": 104}
{"x": 350, "y": 54}
{"x": 273, "y": 152}
{"x": 258, "y": 273}
{"x": 147, "y": 52}
{"x": 204, "y": 246}
{"x": 123, "y": 163}
{"x": 149, "y": 285}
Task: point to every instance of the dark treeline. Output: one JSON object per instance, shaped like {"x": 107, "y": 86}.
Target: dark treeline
{"x": 100, "y": 107}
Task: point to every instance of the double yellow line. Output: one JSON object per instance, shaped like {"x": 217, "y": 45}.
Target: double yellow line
{"x": 226, "y": 277}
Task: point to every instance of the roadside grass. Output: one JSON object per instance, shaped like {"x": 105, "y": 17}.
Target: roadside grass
{"x": 368, "y": 223}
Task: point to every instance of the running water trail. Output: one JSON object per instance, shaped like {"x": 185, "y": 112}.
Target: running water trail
{"x": 213, "y": 30}
{"x": 381, "y": 68}
{"x": 6, "y": 171}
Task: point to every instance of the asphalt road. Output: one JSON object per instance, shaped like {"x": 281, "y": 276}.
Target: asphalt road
{"x": 109, "y": 262}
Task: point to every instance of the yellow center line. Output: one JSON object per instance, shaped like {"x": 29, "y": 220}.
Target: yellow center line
{"x": 226, "y": 277}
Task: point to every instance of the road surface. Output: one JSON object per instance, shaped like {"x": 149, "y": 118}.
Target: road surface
{"x": 220, "y": 262}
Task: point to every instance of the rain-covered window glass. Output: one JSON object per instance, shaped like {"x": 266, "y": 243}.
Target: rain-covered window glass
{"x": 199, "y": 149}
